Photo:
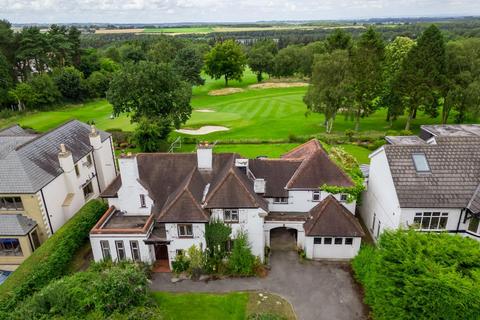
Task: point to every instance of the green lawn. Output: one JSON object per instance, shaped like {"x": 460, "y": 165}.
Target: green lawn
{"x": 202, "y": 306}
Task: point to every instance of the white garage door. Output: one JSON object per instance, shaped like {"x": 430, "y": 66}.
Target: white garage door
{"x": 334, "y": 248}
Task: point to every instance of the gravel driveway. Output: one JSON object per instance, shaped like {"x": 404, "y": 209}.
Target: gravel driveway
{"x": 317, "y": 290}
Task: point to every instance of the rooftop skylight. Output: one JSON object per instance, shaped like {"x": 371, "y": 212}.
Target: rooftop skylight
{"x": 421, "y": 163}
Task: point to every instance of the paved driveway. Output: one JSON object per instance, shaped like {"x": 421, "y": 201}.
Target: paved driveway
{"x": 317, "y": 290}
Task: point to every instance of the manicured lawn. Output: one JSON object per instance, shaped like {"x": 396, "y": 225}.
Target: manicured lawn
{"x": 202, "y": 306}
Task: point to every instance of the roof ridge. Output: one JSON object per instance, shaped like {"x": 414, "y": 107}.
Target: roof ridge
{"x": 181, "y": 188}
{"x": 321, "y": 206}
{"x": 43, "y": 134}
{"x": 302, "y": 145}
{"x": 221, "y": 182}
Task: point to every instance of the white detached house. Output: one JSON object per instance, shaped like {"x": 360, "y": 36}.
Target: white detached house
{"x": 430, "y": 185}
{"x": 160, "y": 203}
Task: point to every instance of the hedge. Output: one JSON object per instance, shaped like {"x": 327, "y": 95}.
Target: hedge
{"x": 50, "y": 261}
{"x": 414, "y": 275}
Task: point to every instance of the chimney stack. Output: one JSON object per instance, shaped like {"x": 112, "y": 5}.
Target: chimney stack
{"x": 204, "y": 156}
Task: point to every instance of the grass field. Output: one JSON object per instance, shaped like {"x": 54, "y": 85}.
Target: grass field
{"x": 182, "y": 30}
{"x": 230, "y": 306}
{"x": 273, "y": 116}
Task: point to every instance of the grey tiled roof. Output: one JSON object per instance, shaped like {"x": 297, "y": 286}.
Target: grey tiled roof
{"x": 15, "y": 225}
{"x": 13, "y": 131}
{"x": 453, "y": 178}
{"x": 28, "y": 163}
{"x": 453, "y": 130}
{"x": 404, "y": 140}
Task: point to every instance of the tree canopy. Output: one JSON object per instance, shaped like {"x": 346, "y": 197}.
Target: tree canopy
{"x": 226, "y": 59}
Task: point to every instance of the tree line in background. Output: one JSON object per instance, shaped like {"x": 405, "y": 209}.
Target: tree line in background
{"x": 404, "y": 76}
{"x": 150, "y": 78}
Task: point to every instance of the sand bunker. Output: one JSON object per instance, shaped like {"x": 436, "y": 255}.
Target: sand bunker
{"x": 269, "y": 85}
{"x": 225, "y": 91}
{"x": 204, "y": 110}
{"x": 202, "y": 130}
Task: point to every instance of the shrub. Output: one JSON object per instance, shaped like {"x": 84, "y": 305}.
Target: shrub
{"x": 413, "y": 275}
{"x": 195, "y": 255}
{"x": 349, "y": 133}
{"x": 241, "y": 261}
{"x": 101, "y": 292}
{"x": 217, "y": 234}
{"x": 151, "y": 134}
{"x": 50, "y": 261}
{"x": 181, "y": 264}
{"x": 6, "y": 113}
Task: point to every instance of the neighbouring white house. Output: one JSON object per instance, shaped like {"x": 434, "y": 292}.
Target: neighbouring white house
{"x": 430, "y": 183}
{"x": 161, "y": 202}
{"x": 45, "y": 179}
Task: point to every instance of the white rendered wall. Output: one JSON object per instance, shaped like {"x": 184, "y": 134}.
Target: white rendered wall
{"x": 408, "y": 215}
{"x": 129, "y": 194}
{"x": 147, "y": 253}
{"x": 56, "y": 192}
{"x": 302, "y": 201}
{"x": 269, "y": 225}
{"x": 380, "y": 197}
{"x": 251, "y": 222}
{"x": 179, "y": 243}
{"x": 105, "y": 163}
{"x": 332, "y": 251}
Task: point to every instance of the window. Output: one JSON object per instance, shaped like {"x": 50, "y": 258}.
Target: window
{"x": 317, "y": 240}
{"x": 179, "y": 252}
{"x": 120, "y": 250}
{"x": 88, "y": 190}
{"x": 105, "y": 246}
{"x": 338, "y": 240}
{"x": 316, "y": 196}
{"x": 135, "y": 250}
{"x": 373, "y": 224}
{"x": 11, "y": 203}
{"x": 344, "y": 197}
{"x": 420, "y": 161}
{"x": 349, "y": 241}
{"x": 473, "y": 225}
{"x": 185, "y": 230}
{"x": 280, "y": 200}
{"x": 431, "y": 220}
{"x": 77, "y": 171}
{"x": 230, "y": 215}
{"x": 327, "y": 240}
{"x": 10, "y": 247}
{"x": 378, "y": 229}
{"x": 89, "y": 161}
{"x": 35, "y": 239}
{"x": 143, "y": 203}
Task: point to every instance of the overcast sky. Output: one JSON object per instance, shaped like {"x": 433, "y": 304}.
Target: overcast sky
{"x": 159, "y": 11}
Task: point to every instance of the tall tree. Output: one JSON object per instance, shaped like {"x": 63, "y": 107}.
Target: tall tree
{"x": 395, "y": 53}
{"x": 226, "y": 59}
{"x": 288, "y": 61}
{"x": 189, "y": 63}
{"x": 150, "y": 90}
{"x": 261, "y": 57}
{"x": 6, "y": 81}
{"x": 70, "y": 83}
{"x": 339, "y": 39}
{"x": 367, "y": 64}
{"x": 331, "y": 86}
{"x": 60, "y": 45}
{"x": 422, "y": 77}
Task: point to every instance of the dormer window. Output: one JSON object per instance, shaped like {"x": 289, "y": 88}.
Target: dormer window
{"x": 421, "y": 163}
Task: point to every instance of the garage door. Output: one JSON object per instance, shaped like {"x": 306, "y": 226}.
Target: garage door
{"x": 333, "y": 248}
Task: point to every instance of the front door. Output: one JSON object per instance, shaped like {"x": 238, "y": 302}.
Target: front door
{"x": 161, "y": 252}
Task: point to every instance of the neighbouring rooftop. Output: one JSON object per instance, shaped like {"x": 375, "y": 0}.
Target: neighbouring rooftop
{"x": 15, "y": 225}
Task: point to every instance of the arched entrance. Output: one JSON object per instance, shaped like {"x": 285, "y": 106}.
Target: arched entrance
{"x": 283, "y": 239}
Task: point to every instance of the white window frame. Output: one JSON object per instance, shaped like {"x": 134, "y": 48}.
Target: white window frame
{"x": 135, "y": 250}
{"x": 183, "y": 230}
{"x": 17, "y": 204}
{"x": 228, "y": 215}
{"x": 316, "y": 194}
{"x": 77, "y": 170}
{"x": 350, "y": 239}
{"x": 428, "y": 217}
{"x": 143, "y": 201}
{"x": 280, "y": 200}
{"x": 120, "y": 247}
{"x": 342, "y": 195}
{"x": 88, "y": 160}
{"x": 88, "y": 195}
{"x": 105, "y": 247}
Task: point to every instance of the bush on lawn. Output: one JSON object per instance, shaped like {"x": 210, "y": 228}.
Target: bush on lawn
{"x": 180, "y": 264}
{"x": 50, "y": 261}
{"x": 241, "y": 261}
{"x": 413, "y": 275}
{"x": 113, "y": 289}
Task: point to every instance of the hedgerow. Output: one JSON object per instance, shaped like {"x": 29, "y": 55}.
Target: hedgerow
{"x": 413, "y": 275}
{"x": 50, "y": 261}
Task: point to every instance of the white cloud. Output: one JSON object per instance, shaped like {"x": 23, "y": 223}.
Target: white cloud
{"x": 151, "y": 11}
